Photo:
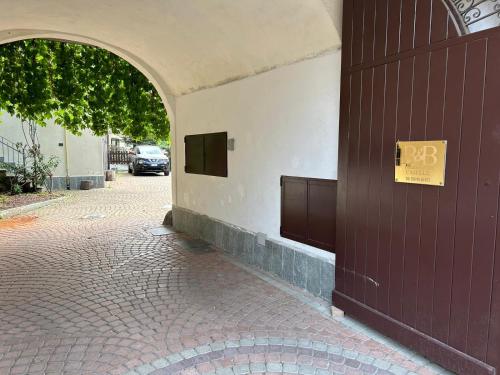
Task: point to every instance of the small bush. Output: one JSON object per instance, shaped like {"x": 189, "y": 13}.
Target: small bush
{"x": 34, "y": 172}
{"x": 16, "y": 189}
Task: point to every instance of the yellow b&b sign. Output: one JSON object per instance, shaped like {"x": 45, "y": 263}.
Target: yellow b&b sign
{"x": 420, "y": 162}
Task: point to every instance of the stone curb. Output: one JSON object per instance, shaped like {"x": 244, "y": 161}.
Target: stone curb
{"x": 28, "y": 208}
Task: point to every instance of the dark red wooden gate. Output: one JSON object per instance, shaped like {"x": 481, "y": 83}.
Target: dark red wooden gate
{"x": 419, "y": 263}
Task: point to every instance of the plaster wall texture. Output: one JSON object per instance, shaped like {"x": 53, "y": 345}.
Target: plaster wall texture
{"x": 189, "y": 44}
{"x": 284, "y": 122}
{"x": 85, "y": 152}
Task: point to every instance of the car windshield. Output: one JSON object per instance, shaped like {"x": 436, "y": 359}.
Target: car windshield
{"x": 150, "y": 150}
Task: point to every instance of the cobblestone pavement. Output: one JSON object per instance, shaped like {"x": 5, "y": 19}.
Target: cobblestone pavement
{"x": 85, "y": 288}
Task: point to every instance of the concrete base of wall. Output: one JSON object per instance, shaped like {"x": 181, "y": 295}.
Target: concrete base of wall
{"x": 59, "y": 183}
{"x": 314, "y": 274}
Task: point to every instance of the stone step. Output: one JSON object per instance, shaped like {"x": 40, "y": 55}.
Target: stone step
{"x": 4, "y": 173}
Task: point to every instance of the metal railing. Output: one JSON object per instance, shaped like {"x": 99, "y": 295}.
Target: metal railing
{"x": 476, "y": 15}
{"x": 10, "y": 153}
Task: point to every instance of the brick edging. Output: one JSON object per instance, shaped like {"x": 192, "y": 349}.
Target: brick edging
{"x": 335, "y": 354}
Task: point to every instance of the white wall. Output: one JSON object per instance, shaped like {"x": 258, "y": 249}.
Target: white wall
{"x": 85, "y": 152}
{"x": 285, "y": 122}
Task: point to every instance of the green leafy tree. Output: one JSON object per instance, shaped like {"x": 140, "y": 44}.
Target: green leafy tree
{"x": 81, "y": 87}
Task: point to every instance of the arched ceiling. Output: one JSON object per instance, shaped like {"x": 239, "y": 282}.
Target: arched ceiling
{"x": 189, "y": 44}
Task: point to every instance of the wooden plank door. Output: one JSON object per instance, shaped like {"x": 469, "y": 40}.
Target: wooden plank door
{"x": 420, "y": 263}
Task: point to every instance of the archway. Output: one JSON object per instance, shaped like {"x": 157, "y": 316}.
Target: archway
{"x": 50, "y": 133}
{"x": 307, "y": 33}
{"x": 168, "y": 99}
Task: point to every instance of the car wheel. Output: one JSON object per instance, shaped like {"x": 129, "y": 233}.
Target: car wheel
{"x": 136, "y": 173}
{"x": 129, "y": 169}
{"x": 166, "y": 173}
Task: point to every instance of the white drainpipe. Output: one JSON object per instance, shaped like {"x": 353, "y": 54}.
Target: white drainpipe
{"x": 66, "y": 159}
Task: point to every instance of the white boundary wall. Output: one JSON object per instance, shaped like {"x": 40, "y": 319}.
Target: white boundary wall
{"x": 85, "y": 152}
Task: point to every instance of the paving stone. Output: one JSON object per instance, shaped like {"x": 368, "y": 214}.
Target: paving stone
{"x": 217, "y": 346}
{"x": 247, "y": 342}
{"x": 205, "y": 368}
{"x": 245, "y": 349}
{"x": 232, "y": 344}
{"x": 105, "y": 296}
{"x": 320, "y": 354}
{"x": 398, "y": 370}
{"x": 290, "y": 368}
{"x": 382, "y": 364}
{"x": 352, "y": 363}
{"x": 275, "y": 341}
{"x": 216, "y": 354}
{"x": 145, "y": 369}
{"x": 274, "y": 367}
{"x": 304, "y": 343}
{"x": 333, "y": 349}
{"x": 160, "y": 363}
{"x": 307, "y": 370}
{"x": 174, "y": 358}
{"x": 242, "y": 369}
{"x": 225, "y": 371}
{"x": 365, "y": 359}
{"x": 262, "y": 341}
{"x": 368, "y": 369}
{"x": 189, "y": 353}
{"x": 257, "y": 367}
{"x": 290, "y": 342}
{"x": 320, "y": 346}
{"x": 350, "y": 354}
{"x": 203, "y": 349}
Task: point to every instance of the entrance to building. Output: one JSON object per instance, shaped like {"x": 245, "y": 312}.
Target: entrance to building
{"x": 418, "y": 262}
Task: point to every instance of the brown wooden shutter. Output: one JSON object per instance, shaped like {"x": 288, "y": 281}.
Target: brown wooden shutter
{"x": 308, "y": 210}
{"x": 216, "y": 154}
{"x": 206, "y": 154}
{"x": 194, "y": 146}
